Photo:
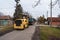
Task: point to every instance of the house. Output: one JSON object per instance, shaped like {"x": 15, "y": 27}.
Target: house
{"x": 5, "y": 21}
{"x": 55, "y": 20}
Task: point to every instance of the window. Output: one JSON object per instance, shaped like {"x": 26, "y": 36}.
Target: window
{"x": 18, "y": 22}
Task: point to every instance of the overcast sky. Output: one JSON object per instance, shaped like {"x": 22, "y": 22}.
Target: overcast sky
{"x": 8, "y": 7}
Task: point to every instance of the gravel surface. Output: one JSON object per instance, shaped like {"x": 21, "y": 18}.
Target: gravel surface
{"x": 36, "y": 35}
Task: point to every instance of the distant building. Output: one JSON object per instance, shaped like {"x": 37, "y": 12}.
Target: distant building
{"x": 55, "y": 20}
{"x": 5, "y": 21}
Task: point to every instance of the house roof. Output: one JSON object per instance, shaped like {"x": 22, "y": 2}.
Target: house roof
{"x": 5, "y": 17}
{"x": 54, "y": 18}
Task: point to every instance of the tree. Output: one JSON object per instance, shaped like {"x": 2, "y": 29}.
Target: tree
{"x": 28, "y": 14}
{"x": 18, "y": 11}
{"x": 59, "y": 15}
{"x": 17, "y": 1}
{"x": 37, "y": 3}
{"x": 41, "y": 19}
{"x": 1, "y": 14}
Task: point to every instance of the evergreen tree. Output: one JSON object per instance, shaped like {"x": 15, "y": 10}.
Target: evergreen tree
{"x": 18, "y": 11}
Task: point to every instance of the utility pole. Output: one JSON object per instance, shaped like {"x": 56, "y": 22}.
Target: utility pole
{"x": 51, "y": 13}
{"x": 47, "y": 14}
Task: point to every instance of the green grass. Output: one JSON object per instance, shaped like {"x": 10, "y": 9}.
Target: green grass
{"x": 46, "y": 32}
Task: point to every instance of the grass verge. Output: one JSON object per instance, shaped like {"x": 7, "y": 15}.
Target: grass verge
{"x": 4, "y": 30}
{"x": 49, "y": 33}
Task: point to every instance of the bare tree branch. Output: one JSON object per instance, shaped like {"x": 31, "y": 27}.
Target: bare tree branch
{"x": 55, "y": 3}
{"x": 59, "y": 3}
{"x": 37, "y": 3}
{"x": 1, "y": 14}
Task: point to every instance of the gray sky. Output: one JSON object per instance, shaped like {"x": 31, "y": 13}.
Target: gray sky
{"x": 8, "y": 7}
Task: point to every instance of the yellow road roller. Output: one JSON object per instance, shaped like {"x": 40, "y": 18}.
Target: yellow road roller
{"x": 21, "y": 24}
